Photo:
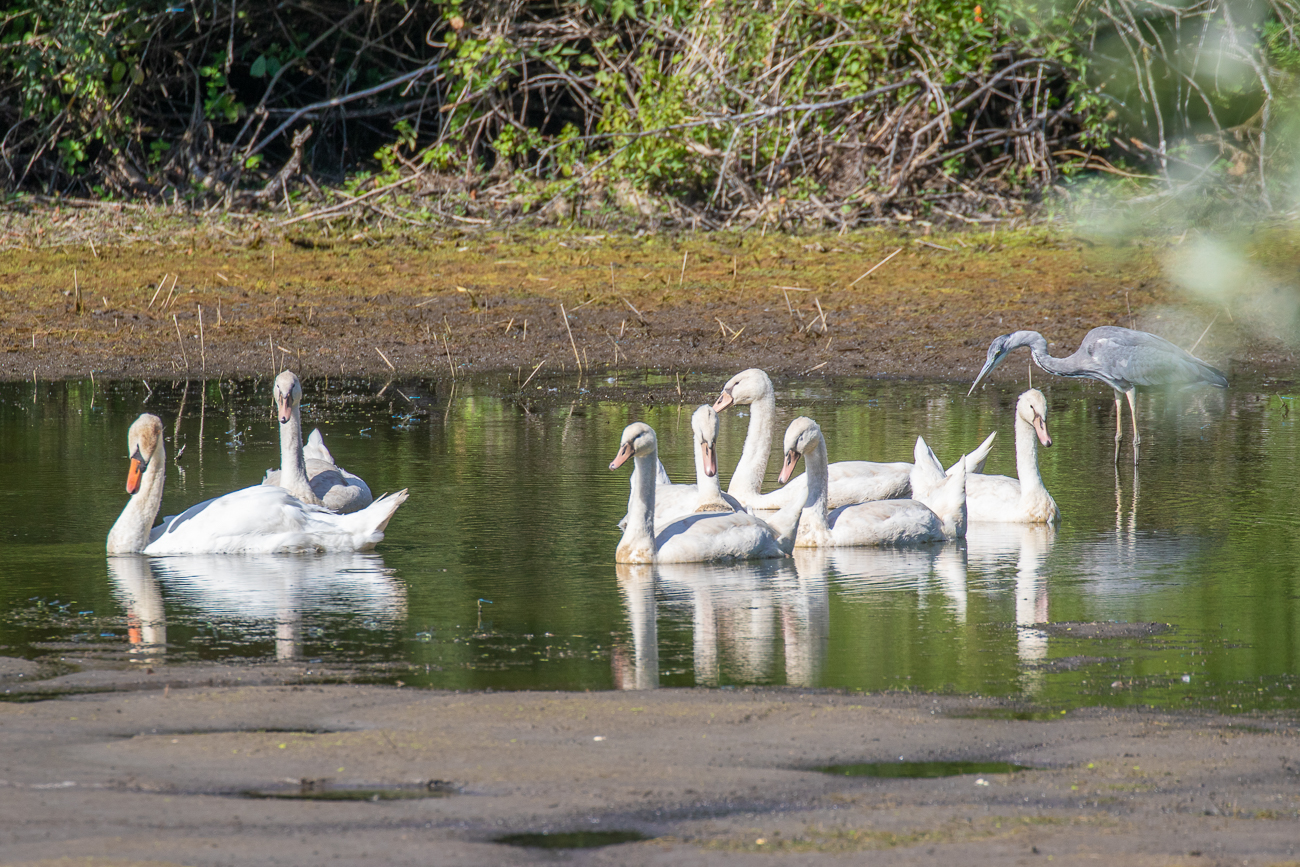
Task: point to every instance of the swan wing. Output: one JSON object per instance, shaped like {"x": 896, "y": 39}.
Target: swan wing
{"x": 884, "y": 522}
{"x": 707, "y": 537}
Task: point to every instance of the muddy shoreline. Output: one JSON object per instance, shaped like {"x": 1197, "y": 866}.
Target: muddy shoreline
{"x": 177, "y": 764}
{"x": 197, "y": 307}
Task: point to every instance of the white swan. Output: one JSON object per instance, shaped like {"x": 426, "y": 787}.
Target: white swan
{"x": 675, "y": 501}
{"x": 941, "y": 516}
{"x": 694, "y": 539}
{"x": 262, "y": 519}
{"x": 850, "y": 481}
{"x": 1002, "y": 498}
{"x": 309, "y": 472}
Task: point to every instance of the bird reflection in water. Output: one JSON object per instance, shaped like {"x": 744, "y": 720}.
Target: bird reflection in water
{"x": 994, "y": 547}
{"x": 863, "y": 571}
{"x": 248, "y": 592}
{"x": 735, "y": 610}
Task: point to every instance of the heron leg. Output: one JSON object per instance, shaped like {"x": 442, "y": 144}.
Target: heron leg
{"x": 1132, "y": 408}
{"x": 1119, "y": 423}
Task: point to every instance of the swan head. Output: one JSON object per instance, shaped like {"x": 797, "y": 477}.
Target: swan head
{"x": 748, "y": 386}
{"x": 287, "y": 395}
{"x": 142, "y": 441}
{"x": 802, "y": 435}
{"x": 704, "y": 422}
{"x": 638, "y": 441}
{"x": 1031, "y": 408}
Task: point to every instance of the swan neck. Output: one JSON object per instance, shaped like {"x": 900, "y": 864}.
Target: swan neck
{"x": 812, "y": 520}
{"x": 293, "y": 466}
{"x": 1027, "y": 456}
{"x": 640, "y": 530}
{"x": 747, "y": 481}
{"x": 130, "y": 534}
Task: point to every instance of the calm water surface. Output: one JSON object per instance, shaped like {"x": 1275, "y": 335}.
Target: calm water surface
{"x": 499, "y": 573}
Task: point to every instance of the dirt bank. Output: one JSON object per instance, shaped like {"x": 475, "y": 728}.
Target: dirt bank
{"x": 492, "y": 302}
{"x": 163, "y": 776}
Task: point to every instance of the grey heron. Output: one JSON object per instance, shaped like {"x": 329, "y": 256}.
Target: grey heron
{"x": 1120, "y": 357}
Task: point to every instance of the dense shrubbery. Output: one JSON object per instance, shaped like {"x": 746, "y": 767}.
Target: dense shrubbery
{"x": 711, "y": 111}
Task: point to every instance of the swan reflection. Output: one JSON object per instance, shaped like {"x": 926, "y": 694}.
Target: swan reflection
{"x": 735, "y": 611}
{"x": 865, "y": 571}
{"x": 248, "y": 592}
{"x": 995, "y": 547}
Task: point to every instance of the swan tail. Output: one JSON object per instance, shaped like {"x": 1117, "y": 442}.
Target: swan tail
{"x": 927, "y": 473}
{"x": 315, "y": 448}
{"x": 948, "y": 502}
{"x": 367, "y": 526}
{"x": 976, "y": 459}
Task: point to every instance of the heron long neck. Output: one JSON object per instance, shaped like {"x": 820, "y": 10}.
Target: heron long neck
{"x": 293, "y": 466}
{"x": 813, "y": 527}
{"x": 747, "y": 481}
{"x": 1031, "y": 481}
{"x": 639, "y": 535}
{"x": 130, "y": 534}
{"x": 1038, "y": 348}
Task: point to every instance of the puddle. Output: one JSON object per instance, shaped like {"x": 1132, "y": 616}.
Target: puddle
{"x": 324, "y": 790}
{"x": 921, "y": 770}
{"x": 1007, "y": 713}
{"x": 572, "y": 839}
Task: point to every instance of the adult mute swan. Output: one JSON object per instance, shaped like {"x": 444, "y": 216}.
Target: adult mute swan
{"x": 850, "y": 481}
{"x": 309, "y": 472}
{"x": 262, "y": 519}
{"x": 695, "y": 538}
{"x": 674, "y": 501}
{"x": 940, "y": 516}
{"x": 1002, "y": 498}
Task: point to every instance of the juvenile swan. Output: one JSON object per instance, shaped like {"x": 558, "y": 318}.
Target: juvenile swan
{"x": 262, "y": 519}
{"x": 309, "y": 473}
{"x": 1024, "y": 500}
{"x": 674, "y": 501}
{"x": 695, "y": 538}
{"x": 942, "y": 515}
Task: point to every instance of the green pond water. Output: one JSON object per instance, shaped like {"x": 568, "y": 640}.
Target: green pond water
{"x": 1174, "y": 586}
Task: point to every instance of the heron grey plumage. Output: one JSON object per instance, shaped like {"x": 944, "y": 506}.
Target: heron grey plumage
{"x": 1120, "y": 357}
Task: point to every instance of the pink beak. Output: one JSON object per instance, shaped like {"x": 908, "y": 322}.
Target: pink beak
{"x": 624, "y": 452}
{"x": 286, "y": 409}
{"x": 710, "y": 459}
{"x": 724, "y": 400}
{"x": 1040, "y": 428}
{"x": 787, "y": 468}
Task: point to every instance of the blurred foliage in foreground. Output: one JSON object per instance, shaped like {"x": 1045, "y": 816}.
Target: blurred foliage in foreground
{"x": 702, "y": 112}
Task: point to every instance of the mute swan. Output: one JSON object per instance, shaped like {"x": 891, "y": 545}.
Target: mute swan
{"x": 1002, "y": 498}
{"x": 692, "y": 539}
{"x": 262, "y": 519}
{"x": 309, "y": 472}
{"x": 940, "y": 516}
{"x": 675, "y": 501}
{"x": 850, "y": 481}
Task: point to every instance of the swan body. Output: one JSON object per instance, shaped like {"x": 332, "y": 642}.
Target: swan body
{"x": 309, "y": 472}
{"x": 850, "y": 481}
{"x": 696, "y": 538}
{"x": 262, "y": 519}
{"x": 1001, "y": 498}
{"x": 941, "y": 516}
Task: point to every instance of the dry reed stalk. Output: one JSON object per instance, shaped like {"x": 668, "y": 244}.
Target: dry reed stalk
{"x": 203, "y": 353}
{"x": 881, "y": 262}
{"x": 385, "y": 358}
{"x": 636, "y": 312}
{"x": 572, "y": 342}
{"x": 822, "y": 313}
{"x": 181, "y": 341}
{"x": 531, "y": 375}
{"x": 450, "y": 366}
{"x": 682, "y": 277}
{"x": 161, "y": 283}
{"x": 76, "y": 291}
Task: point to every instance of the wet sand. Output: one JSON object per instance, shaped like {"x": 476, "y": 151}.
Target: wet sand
{"x": 157, "y": 770}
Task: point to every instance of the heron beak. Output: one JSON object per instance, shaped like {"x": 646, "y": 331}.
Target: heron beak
{"x": 1040, "y": 428}
{"x": 285, "y": 405}
{"x": 988, "y": 367}
{"x": 787, "y": 467}
{"x": 138, "y": 466}
{"x": 724, "y": 400}
{"x": 624, "y": 452}
{"x": 710, "y": 460}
